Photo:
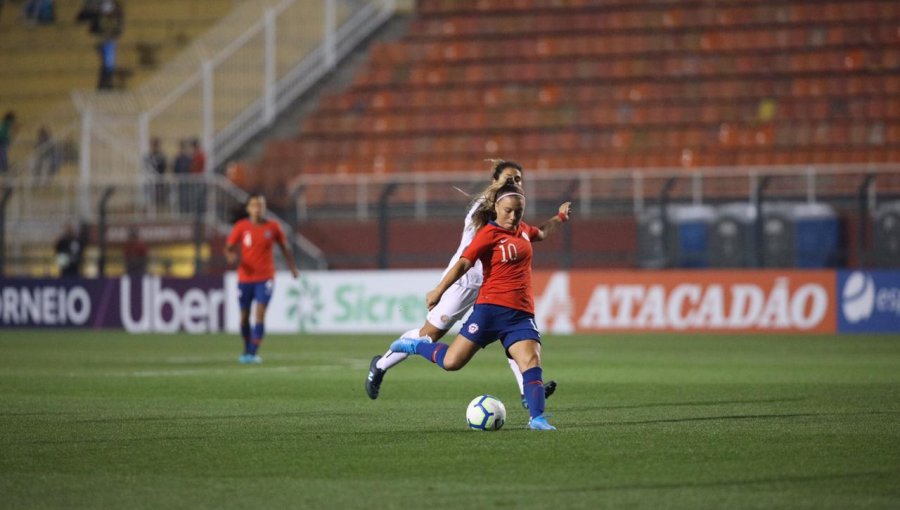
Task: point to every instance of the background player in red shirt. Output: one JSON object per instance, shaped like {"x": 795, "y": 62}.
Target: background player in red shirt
{"x": 252, "y": 239}
{"x": 504, "y": 309}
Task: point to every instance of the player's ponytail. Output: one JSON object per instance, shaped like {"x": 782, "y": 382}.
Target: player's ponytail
{"x": 486, "y": 211}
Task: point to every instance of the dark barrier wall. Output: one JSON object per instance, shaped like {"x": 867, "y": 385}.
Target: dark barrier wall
{"x": 595, "y": 243}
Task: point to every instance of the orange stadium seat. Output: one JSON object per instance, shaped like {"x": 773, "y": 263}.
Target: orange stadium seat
{"x": 615, "y": 84}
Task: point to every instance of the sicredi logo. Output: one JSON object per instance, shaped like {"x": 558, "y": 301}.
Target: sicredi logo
{"x": 859, "y": 297}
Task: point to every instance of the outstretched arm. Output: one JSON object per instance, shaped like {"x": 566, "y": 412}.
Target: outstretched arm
{"x": 455, "y": 273}
{"x": 289, "y": 257}
{"x": 553, "y": 223}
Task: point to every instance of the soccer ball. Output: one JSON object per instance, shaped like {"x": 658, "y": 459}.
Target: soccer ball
{"x": 486, "y": 412}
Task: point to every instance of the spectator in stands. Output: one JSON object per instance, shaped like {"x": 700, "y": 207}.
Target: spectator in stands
{"x": 7, "y": 130}
{"x": 182, "y": 169}
{"x": 89, "y": 13}
{"x": 156, "y": 162}
{"x": 108, "y": 28}
{"x": 39, "y": 11}
{"x": 156, "y": 159}
{"x": 198, "y": 160}
{"x": 46, "y": 162}
{"x": 70, "y": 250}
{"x": 135, "y": 252}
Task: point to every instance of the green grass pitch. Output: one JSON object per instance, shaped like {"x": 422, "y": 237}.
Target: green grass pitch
{"x": 110, "y": 420}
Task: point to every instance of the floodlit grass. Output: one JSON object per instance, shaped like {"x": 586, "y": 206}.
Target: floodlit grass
{"x": 109, "y": 420}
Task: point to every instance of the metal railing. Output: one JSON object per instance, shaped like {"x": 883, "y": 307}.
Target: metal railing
{"x": 226, "y": 87}
{"x": 201, "y": 207}
{"x": 229, "y": 85}
{"x": 593, "y": 192}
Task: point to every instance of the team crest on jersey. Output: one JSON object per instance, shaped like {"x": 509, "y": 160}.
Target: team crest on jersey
{"x": 268, "y": 234}
{"x": 473, "y": 328}
{"x": 445, "y": 318}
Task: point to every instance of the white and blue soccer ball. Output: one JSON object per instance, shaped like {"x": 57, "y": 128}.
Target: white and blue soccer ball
{"x": 486, "y": 412}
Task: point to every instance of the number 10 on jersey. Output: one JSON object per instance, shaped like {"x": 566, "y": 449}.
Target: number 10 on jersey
{"x": 508, "y": 252}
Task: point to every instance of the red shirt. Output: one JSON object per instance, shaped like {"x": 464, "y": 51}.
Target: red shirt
{"x": 198, "y": 163}
{"x": 506, "y": 258}
{"x": 255, "y": 242}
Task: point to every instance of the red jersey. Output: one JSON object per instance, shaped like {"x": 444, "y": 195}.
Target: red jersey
{"x": 255, "y": 242}
{"x": 506, "y": 258}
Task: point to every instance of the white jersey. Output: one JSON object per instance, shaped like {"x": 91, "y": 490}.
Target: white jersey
{"x": 473, "y": 277}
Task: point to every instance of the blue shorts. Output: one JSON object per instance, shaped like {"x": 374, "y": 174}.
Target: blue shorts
{"x": 489, "y": 323}
{"x": 259, "y": 291}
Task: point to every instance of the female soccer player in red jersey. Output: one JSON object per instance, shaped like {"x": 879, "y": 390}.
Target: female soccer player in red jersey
{"x": 252, "y": 238}
{"x": 504, "y": 309}
{"x": 460, "y": 296}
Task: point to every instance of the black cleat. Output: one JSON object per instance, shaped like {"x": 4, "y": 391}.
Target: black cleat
{"x": 549, "y": 389}
{"x": 373, "y": 380}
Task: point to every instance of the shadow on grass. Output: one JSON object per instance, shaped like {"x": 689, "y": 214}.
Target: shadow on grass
{"x": 685, "y": 404}
{"x": 785, "y": 416}
{"x": 773, "y": 480}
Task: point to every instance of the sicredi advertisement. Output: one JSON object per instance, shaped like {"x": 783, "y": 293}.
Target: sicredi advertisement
{"x": 869, "y": 301}
{"x": 341, "y": 301}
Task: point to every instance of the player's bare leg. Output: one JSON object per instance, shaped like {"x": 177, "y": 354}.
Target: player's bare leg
{"x": 449, "y": 357}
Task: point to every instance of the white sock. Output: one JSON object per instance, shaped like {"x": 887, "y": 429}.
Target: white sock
{"x": 515, "y": 371}
{"x": 391, "y": 358}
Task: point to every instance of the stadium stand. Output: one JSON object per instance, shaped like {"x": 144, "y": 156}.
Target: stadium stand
{"x": 42, "y": 64}
{"x": 591, "y": 84}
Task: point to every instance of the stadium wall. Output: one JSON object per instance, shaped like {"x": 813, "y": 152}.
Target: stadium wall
{"x": 566, "y": 302}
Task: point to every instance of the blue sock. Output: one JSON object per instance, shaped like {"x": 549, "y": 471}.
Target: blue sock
{"x": 259, "y": 330}
{"x": 433, "y": 352}
{"x": 533, "y": 381}
{"x": 245, "y": 334}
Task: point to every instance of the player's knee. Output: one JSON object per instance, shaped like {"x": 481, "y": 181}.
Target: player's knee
{"x": 452, "y": 363}
{"x": 431, "y": 331}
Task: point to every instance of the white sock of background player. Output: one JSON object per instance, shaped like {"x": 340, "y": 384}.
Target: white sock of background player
{"x": 391, "y": 358}
{"x": 515, "y": 371}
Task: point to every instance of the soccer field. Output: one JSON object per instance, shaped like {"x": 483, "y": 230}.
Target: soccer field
{"x": 110, "y": 420}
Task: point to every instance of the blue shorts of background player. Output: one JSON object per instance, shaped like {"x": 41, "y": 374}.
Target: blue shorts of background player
{"x": 261, "y": 292}
{"x": 489, "y": 323}
{"x": 248, "y": 292}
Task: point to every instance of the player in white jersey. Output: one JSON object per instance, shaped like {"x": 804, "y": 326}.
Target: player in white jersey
{"x": 457, "y": 300}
